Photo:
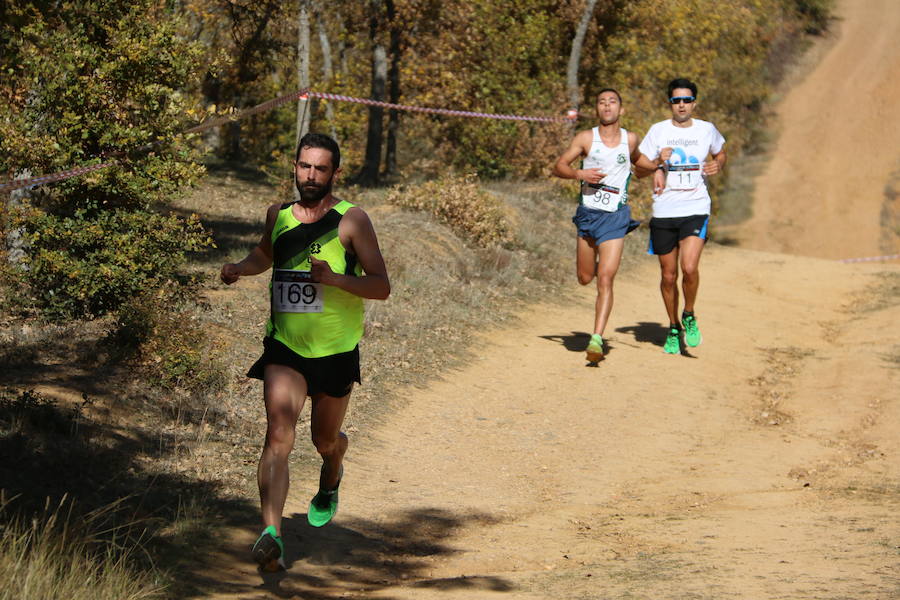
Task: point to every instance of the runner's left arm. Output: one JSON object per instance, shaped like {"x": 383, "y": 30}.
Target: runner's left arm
{"x": 717, "y": 164}
{"x": 356, "y": 228}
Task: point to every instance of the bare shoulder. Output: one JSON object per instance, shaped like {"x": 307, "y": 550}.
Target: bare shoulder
{"x": 584, "y": 137}
{"x": 632, "y": 140}
{"x": 356, "y": 220}
{"x": 273, "y": 210}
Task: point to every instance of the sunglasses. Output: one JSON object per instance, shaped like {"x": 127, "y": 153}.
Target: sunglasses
{"x": 682, "y": 100}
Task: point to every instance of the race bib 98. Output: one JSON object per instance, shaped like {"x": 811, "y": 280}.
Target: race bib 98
{"x": 293, "y": 292}
{"x": 600, "y": 196}
{"x": 686, "y": 176}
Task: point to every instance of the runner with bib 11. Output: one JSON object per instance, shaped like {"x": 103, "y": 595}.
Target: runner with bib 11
{"x": 686, "y": 151}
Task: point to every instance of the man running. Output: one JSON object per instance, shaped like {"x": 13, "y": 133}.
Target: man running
{"x": 681, "y": 146}
{"x": 603, "y": 216}
{"x": 326, "y": 259}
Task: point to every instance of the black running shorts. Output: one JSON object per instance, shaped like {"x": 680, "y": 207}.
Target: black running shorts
{"x": 666, "y": 232}
{"x": 332, "y": 375}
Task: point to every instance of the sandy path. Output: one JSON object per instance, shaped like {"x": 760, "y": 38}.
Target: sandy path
{"x": 823, "y": 191}
{"x": 763, "y": 466}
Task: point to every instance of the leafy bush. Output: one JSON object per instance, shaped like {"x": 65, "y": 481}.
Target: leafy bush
{"x": 162, "y": 337}
{"x": 84, "y": 81}
{"x": 461, "y": 204}
{"x": 82, "y": 266}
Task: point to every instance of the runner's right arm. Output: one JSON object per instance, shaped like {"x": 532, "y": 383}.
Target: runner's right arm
{"x": 579, "y": 148}
{"x": 259, "y": 259}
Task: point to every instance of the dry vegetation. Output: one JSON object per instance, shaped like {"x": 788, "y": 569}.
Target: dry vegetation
{"x": 150, "y": 413}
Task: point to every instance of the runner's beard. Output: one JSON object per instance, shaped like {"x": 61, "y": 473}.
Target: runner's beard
{"x": 312, "y": 192}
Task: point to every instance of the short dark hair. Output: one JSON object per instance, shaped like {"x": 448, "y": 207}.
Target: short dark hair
{"x": 682, "y": 83}
{"x": 616, "y": 92}
{"x": 320, "y": 140}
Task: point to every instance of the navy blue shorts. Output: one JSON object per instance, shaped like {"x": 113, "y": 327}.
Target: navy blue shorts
{"x": 332, "y": 375}
{"x": 666, "y": 232}
{"x": 602, "y": 226}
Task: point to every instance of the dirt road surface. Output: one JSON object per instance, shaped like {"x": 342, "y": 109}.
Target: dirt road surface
{"x": 823, "y": 193}
{"x": 763, "y": 464}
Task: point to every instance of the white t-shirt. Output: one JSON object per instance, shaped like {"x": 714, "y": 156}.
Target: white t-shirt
{"x": 685, "y": 193}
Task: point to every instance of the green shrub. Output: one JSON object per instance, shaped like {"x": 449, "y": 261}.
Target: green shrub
{"x": 160, "y": 334}
{"x": 461, "y": 204}
{"x": 84, "y": 81}
{"x": 82, "y": 266}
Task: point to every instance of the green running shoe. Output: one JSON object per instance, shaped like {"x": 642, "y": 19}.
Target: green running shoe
{"x": 595, "y": 348}
{"x": 324, "y": 504}
{"x": 691, "y": 332}
{"x": 673, "y": 342}
{"x": 268, "y": 551}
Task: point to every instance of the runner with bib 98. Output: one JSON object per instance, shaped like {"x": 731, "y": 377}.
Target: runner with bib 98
{"x": 687, "y": 151}
{"x": 603, "y": 217}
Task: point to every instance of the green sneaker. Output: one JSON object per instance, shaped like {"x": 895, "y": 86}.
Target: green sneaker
{"x": 673, "y": 342}
{"x": 324, "y": 504}
{"x": 691, "y": 332}
{"x": 595, "y": 348}
{"x": 268, "y": 551}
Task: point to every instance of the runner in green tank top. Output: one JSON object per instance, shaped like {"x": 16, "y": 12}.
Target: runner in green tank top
{"x": 325, "y": 259}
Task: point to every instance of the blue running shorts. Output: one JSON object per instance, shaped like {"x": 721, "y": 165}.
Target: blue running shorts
{"x": 602, "y": 226}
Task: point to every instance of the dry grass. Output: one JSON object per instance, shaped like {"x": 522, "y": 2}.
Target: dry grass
{"x": 55, "y": 556}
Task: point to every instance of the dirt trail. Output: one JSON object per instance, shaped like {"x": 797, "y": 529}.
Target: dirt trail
{"x": 762, "y": 466}
{"x": 823, "y": 192}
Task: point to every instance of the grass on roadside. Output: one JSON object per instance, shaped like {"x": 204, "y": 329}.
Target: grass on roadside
{"x": 56, "y": 556}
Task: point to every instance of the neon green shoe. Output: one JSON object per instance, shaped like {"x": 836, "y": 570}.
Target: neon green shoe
{"x": 324, "y": 504}
{"x": 268, "y": 551}
{"x": 691, "y": 332}
{"x": 595, "y": 348}
{"x": 673, "y": 342}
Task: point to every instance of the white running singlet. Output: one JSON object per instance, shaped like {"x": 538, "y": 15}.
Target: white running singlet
{"x": 612, "y": 191}
{"x": 685, "y": 193}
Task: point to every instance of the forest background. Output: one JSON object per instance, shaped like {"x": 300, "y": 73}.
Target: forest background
{"x": 86, "y": 81}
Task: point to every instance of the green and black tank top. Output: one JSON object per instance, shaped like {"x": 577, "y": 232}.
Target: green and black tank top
{"x": 312, "y": 319}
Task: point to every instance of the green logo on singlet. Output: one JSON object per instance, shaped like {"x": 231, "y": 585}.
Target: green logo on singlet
{"x": 620, "y": 159}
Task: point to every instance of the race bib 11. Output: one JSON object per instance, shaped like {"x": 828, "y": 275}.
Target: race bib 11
{"x": 685, "y": 176}
{"x": 293, "y": 292}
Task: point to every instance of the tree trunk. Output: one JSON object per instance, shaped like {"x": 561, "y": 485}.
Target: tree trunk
{"x": 303, "y": 67}
{"x": 369, "y": 174}
{"x": 327, "y": 66}
{"x": 390, "y": 155}
{"x": 572, "y": 87}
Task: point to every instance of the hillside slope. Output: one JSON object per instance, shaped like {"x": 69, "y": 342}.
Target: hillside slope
{"x": 823, "y": 192}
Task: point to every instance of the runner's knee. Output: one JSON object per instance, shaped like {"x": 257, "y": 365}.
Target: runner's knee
{"x": 669, "y": 278}
{"x": 690, "y": 272}
{"x": 325, "y": 444}
{"x": 280, "y": 436}
{"x": 605, "y": 280}
{"x": 585, "y": 278}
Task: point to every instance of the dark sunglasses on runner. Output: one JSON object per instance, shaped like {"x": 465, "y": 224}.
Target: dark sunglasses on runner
{"x": 682, "y": 100}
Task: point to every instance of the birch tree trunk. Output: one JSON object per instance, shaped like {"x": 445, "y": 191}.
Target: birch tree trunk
{"x": 327, "y": 65}
{"x": 572, "y": 87}
{"x": 303, "y": 67}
